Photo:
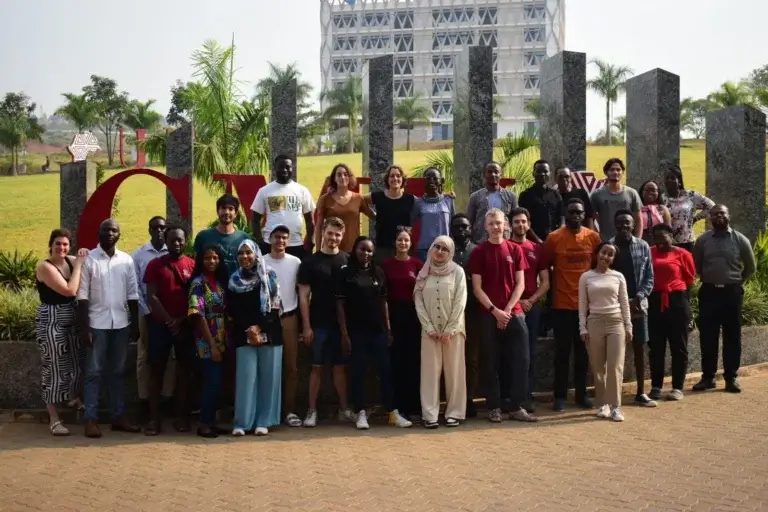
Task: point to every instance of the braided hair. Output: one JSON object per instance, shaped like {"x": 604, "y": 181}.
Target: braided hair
{"x": 354, "y": 265}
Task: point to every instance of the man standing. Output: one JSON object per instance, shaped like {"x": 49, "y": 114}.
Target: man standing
{"x": 225, "y": 234}
{"x": 498, "y": 281}
{"x": 568, "y": 191}
{"x": 169, "y": 328}
{"x": 461, "y": 232}
{"x": 544, "y": 204}
{"x": 285, "y": 203}
{"x": 614, "y": 196}
{"x": 141, "y": 258}
{"x": 286, "y": 266}
{"x": 107, "y": 284}
{"x": 569, "y": 250}
{"x": 492, "y": 196}
{"x": 634, "y": 262}
{"x": 724, "y": 260}
{"x": 536, "y": 287}
{"x": 321, "y": 332}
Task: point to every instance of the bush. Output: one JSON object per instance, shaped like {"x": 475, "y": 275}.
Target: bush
{"x": 17, "y": 270}
{"x": 17, "y": 313}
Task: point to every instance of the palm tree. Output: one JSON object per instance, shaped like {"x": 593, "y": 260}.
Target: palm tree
{"x": 18, "y": 125}
{"x": 140, "y": 115}
{"x": 78, "y": 110}
{"x": 533, "y": 107}
{"x": 609, "y": 83}
{"x": 410, "y": 111}
{"x": 621, "y": 127}
{"x": 282, "y": 75}
{"x": 345, "y": 101}
{"x": 731, "y": 94}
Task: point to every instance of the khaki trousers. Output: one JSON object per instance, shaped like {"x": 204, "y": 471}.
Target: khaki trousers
{"x": 606, "y": 346}
{"x": 142, "y": 366}
{"x": 447, "y": 359}
{"x": 290, "y": 367}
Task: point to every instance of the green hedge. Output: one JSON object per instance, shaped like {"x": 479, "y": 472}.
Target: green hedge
{"x": 17, "y": 313}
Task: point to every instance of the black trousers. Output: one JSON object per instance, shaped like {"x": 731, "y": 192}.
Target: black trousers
{"x": 507, "y": 355}
{"x": 406, "y": 356}
{"x": 668, "y": 326}
{"x": 565, "y": 323}
{"x": 720, "y": 307}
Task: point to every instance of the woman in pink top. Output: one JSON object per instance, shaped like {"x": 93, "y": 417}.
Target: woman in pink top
{"x": 653, "y": 210}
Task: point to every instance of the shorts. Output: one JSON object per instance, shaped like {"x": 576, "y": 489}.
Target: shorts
{"x": 160, "y": 341}
{"x": 326, "y": 347}
{"x": 640, "y": 330}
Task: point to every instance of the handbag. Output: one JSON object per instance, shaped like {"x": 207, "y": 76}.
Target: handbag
{"x": 272, "y": 329}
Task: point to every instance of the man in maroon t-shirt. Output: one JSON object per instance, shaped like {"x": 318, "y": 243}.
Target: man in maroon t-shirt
{"x": 497, "y": 266}
{"x": 166, "y": 278}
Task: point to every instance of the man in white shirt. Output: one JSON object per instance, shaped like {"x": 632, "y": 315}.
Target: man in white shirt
{"x": 285, "y": 203}
{"x": 107, "y": 284}
{"x": 141, "y": 258}
{"x": 286, "y": 267}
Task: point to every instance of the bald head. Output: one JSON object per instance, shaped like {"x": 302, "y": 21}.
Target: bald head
{"x": 109, "y": 234}
{"x": 720, "y": 217}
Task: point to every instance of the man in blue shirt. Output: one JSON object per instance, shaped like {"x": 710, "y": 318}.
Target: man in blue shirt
{"x": 225, "y": 234}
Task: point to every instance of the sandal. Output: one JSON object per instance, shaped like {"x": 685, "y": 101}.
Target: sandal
{"x": 293, "y": 420}
{"x": 58, "y": 429}
{"x": 451, "y": 422}
{"x": 431, "y": 424}
{"x": 152, "y": 428}
{"x": 207, "y": 432}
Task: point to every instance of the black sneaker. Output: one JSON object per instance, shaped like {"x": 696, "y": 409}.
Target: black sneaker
{"x": 530, "y": 406}
{"x": 655, "y": 393}
{"x": 732, "y": 386}
{"x": 559, "y": 405}
{"x": 704, "y": 384}
{"x": 584, "y": 402}
{"x": 494, "y": 416}
{"x": 644, "y": 401}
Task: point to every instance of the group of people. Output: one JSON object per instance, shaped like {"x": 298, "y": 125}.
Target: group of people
{"x": 480, "y": 288}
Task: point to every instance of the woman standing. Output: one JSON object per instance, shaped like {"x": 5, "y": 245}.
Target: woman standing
{"x": 207, "y": 309}
{"x": 669, "y": 311}
{"x": 441, "y": 295}
{"x": 343, "y": 204}
{"x": 435, "y": 210}
{"x": 401, "y": 272}
{"x": 393, "y": 211}
{"x": 686, "y": 208}
{"x": 653, "y": 210}
{"x": 361, "y": 307}
{"x": 607, "y": 329}
{"x": 61, "y": 356}
{"x": 254, "y": 305}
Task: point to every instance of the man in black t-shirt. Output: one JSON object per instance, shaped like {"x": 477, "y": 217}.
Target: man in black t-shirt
{"x": 544, "y": 204}
{"x": 318, "y": 312}
{"x": 568, "y": 192}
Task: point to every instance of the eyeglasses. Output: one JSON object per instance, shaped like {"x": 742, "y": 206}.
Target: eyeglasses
{"x": 407, "y": 229}
{"x": 442, "y": 248}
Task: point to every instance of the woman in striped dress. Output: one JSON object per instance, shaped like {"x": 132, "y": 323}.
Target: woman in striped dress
{"x": 62, "y": 359}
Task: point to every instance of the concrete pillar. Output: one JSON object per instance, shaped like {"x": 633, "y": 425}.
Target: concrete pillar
{"x": 283, "y": 125}
{"x": 77, "y": 182}
{"x": 179, "y": 162}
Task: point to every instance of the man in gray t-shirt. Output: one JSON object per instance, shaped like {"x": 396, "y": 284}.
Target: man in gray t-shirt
{"x": 614, "y": 196}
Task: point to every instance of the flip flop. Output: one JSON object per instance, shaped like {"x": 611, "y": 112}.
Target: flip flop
{"x": 58, "y": 429}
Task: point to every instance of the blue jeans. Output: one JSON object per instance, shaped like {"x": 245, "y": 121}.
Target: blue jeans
{"x": 106, "y": 358}
{"x": 532, "y": 321}
{"x": 373, "y": 348}
{"x": 211, "y": 389}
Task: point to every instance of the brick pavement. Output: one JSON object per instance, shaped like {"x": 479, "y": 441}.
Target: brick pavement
{"x": 708, "y": 452}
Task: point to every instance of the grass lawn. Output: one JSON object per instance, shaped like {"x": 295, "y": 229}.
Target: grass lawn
{"x": 29, "y": 205}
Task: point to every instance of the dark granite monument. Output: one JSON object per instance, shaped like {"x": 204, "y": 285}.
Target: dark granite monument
{"x": 283, "y": 126}
{"x": 653, "y": 126}
{"x": 77, "y": 182}
{"x": 179, "y": 162}
{"x": 736, "y": 165}
{"x": 563, "y": 132}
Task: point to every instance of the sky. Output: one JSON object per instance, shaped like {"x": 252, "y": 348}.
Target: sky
{"x": 48, "y": 47}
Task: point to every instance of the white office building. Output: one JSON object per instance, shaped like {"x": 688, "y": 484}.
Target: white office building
{"x": 424, "y": 36}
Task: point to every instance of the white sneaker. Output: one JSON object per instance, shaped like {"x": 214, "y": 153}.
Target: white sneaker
{"x": 262, "y": 431}
{"x": 398, "y": 421}
{"x": 604, "y": 412}
{"x": 238, "y": 432}
{"x": 362, "y": 421}
{"x": 675, "y": 395}
{"x": 311, "y": 419}
{"x": 346, "y": 415}
{"x": 616, "y": 414}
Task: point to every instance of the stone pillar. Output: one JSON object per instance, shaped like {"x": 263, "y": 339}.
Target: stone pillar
{"x": 283, "y": 125}
{"x": 179, "y": 162}
{"x": 472, "y": 120}
{"x": 77, "y": 182}
{"x": 736, "y": 165}
{"x": 563, "y": 131}
{"x": 653, "y": 126}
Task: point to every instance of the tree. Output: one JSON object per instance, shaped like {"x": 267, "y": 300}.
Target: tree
{"x": 533, "y": 107}
{"x": 140, "y": 115}
{"x": 345, "y": 101}
{"x": 621, "y": 127}
{"x": 693, "y": 116}
{"x": 79, "y": 111}
{"x": 731, "y": 94}
{"x": 110, "y": 108}
{"x": 758, "y": 78}
{"x": 180, "y": 106}
{"x": 18, "y": 125}
{"x": 410, "y": 111}
{"x": 609, "y": 83}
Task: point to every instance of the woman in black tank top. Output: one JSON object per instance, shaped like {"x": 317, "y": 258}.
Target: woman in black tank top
{"x": 62, "y": 358}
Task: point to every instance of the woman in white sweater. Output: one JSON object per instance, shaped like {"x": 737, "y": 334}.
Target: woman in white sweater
{"x": 605, "y": 324}
{"x": 440, "y": 296}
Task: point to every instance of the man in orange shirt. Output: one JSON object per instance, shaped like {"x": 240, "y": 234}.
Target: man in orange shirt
{"x": 570, "y": 251}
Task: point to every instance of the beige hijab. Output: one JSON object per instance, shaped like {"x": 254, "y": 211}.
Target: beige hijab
{"x": 431, "y": 268}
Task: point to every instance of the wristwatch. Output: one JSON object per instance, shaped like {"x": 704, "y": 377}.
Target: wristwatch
{"x": 491, "y": 308}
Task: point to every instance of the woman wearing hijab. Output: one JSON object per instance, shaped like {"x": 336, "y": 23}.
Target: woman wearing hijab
{"x": 440, "y": 295}
{"x": 254, "y": 305}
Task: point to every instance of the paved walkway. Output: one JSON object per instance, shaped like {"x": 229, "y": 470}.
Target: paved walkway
{"x": 709, "y": 452}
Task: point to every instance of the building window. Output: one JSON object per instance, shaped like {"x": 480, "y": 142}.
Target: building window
{"x": 448, "y": 39}
{"x": 345, "y": 66}
{"x": 534, "y": 35}
{"x": 341, "y": 43}
{"x": 403, "y": 20}
{"x": 495, "y": 85}
{"x": 442, "y": 63}
{"x": 345, "y": 20}
{"x": 404, "y": 43}
{"x": 461, "y": 15}
{"x": 487, "y": 15}
{"x": 495, "y": 61}
{"x": 536, "y": 12}
{"x": 531, "y": 128}
{"x": 532, "y": 59}
{"x": 403, "y": 88}
{"x": 404, "y": 66}
{"x": 374, "y": 42}
{"x": 442, "y": 108}
{"x": 488, "y": 38}
{"x": 338, "y": 84}
{"x": 376, "y": 19}
{"x": 441, "y": 86}
{"x": 531, "y": 81}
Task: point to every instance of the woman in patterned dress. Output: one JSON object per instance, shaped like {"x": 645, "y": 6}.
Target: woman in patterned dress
{"x": 62, "y": 357}
{"x": 686, "y": 208}
{"x": 207, "y": 308}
